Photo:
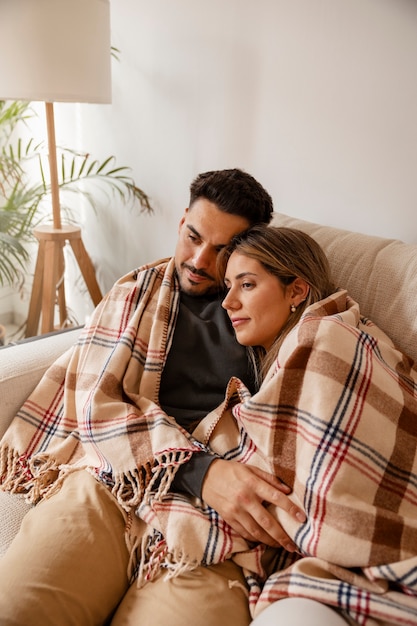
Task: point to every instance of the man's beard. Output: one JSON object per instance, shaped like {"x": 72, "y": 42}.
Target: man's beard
{"x": 192, "y": 289}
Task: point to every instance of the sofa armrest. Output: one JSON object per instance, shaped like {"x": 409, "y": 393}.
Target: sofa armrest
{"x": 21, "y": 368}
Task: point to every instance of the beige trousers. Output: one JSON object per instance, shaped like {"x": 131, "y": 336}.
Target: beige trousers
{"x": 67, "y": 567}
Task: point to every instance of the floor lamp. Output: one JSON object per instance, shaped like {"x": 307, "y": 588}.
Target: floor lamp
{"x": 55, "y": 51}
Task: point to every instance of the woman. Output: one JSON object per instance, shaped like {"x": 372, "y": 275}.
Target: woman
{"x": 335, "y": 417}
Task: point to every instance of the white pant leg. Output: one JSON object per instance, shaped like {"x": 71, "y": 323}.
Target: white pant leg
{"x": 298, "y": 612}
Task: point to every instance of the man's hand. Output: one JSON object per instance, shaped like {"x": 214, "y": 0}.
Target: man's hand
{"x": 237, "y": 492}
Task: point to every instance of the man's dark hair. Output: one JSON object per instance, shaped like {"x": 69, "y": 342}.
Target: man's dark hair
{"x": 236, "y": 192}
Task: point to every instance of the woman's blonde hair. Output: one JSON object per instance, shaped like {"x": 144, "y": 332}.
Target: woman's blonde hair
{"x": 286, "y": 253}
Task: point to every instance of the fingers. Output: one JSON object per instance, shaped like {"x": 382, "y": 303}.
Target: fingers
{"x": 270, "y": 489}
{"x": 275, "y": 481}
{"x": 259, "y": 526}
{"x": 282, "y": 501}
{"x": 239, "y": 494}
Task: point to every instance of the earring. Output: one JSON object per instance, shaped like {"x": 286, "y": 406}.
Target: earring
{"x": 293, "y": 308}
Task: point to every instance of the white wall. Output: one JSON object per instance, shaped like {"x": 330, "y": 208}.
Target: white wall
{"x": 316, "y": 98}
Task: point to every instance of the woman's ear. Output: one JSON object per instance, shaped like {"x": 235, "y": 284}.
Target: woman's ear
{"x": 300, "y": 290}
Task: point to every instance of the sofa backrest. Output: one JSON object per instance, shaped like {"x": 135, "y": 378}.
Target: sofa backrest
{"x": 379, "y": 273}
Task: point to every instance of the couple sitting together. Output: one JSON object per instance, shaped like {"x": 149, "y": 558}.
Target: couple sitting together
{"x": 229, "y": 431}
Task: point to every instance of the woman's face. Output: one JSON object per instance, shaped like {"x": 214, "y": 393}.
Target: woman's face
{"x": 257, "y": 303}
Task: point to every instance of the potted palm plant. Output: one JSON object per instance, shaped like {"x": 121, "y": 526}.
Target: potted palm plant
{"x": 21, "y": 199}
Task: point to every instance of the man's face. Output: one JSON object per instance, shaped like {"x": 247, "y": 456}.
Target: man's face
{"x": 203, "y": 231}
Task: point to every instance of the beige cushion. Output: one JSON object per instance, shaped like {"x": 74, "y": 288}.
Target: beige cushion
{"x": 381, "y": 274}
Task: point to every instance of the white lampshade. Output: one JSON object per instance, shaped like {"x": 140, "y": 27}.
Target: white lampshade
{"x": 55, "y": 50}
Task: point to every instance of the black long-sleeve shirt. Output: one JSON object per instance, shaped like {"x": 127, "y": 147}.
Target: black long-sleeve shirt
{"x": 203, "y": 357}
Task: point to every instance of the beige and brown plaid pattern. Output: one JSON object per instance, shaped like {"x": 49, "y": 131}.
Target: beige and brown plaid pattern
{"x": 337, "y": 420}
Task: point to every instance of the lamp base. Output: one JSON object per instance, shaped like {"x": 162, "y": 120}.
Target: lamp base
{"x": 48, "y": 282}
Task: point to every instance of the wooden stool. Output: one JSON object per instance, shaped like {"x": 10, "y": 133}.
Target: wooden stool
{"x": 48, "y": 282}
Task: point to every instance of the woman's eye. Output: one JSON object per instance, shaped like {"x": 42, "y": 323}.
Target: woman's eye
{"x": 247, "y": 285}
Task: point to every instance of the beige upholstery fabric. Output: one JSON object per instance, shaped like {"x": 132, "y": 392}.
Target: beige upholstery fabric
{"x": 13, "y": 509}
{"x": 381, "y": 274}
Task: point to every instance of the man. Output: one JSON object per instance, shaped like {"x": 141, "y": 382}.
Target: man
{"x": 158, "y": 340}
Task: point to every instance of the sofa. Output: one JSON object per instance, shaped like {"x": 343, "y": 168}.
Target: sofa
{"x": 380, "y": 273}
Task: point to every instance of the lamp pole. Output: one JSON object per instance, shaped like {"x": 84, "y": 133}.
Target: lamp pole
{"x": 53, "y": 169}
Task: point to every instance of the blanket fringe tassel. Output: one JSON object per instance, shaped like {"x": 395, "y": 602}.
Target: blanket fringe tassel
{"x": 36, "y": 478}
{"x": 153, "y": 557}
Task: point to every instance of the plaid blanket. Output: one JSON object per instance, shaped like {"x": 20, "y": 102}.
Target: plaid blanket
{"x": 335, "y": 418}
{"x": 96, "y": 406}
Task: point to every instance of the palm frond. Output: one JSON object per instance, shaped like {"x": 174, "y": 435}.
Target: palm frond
{"x": 21, "y": 203}
{"x": 91, "y": 170}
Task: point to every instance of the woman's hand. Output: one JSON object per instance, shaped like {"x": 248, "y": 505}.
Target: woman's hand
{"x": 238, "y": 493}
